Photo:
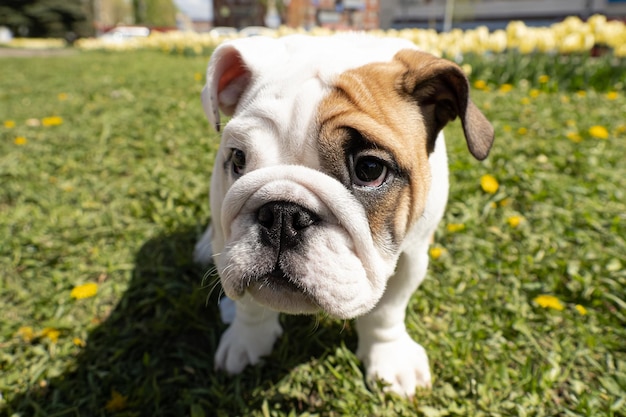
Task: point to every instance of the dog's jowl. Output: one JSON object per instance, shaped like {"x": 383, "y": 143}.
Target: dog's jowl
{"x": 328, "y": 185}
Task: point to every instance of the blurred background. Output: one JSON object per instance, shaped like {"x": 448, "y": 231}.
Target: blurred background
{"x": 120, "y": 19}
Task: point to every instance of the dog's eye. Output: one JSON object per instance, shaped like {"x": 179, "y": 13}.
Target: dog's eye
{"x": 238, "y": 159}
{"x": 369, "y": 171}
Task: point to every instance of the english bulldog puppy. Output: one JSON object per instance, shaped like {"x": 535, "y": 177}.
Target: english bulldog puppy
{"x": 329, "y": 183}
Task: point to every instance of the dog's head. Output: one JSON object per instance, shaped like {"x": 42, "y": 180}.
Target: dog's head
{"x": 326, "y": 165}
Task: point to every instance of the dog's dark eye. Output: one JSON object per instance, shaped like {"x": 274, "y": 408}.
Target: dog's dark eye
{"x": 369, "y": 171}
{"x": 238, "y": 159}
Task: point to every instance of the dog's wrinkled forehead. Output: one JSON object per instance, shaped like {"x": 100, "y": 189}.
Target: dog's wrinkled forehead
{"x": 268, "y": 74}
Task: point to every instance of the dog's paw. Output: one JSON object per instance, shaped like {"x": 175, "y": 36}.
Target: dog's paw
{"x": 203, "y": 251}
{"x": 244, "y": 344}
{"x": 402, "y": 364}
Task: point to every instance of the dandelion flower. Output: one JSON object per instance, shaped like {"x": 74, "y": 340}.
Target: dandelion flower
{"x": 77, "y": 341}
{"x": 84, "y": 291}
{"x": 581, "y": 93}
{"x": 9, "y": 124}
{"x": 62, "y": 96}
{"x": 435, "y": 252}
{"x": 514, "y": 221}
{"x": 599, "y": 132}
{"x": 455, "y": 227}
{"x": 51, "y": 334}
{"x": 612, "y": 95}
{"x": 20, "y": 141}
{"x": 197, "y": 76}
{"x": 51, "y": 121}
{"x": 489, "y": 184}
{"x": 480, "y": 84}
{"x": 534, "y": 93}
{"x": 581, "y": 310}
{"x": 505, "y": 88}
{"x": 118, "y": 402}
{"x": 574, "y": 137}
{"x": 26, "y": 333}
{"x": 549, "y": 301}
{"x": 544, "y": 79}
{"x": 525, "y": 100}
{"x": 522, "y": 131}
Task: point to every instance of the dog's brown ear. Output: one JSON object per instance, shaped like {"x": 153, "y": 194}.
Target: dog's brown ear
{"x": 441, "y": 87}
{"x": 227, "y": 79}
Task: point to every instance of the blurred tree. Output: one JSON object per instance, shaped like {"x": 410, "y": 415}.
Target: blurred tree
{"x": 67, "y": 19}
{"x": 155, "y": 13}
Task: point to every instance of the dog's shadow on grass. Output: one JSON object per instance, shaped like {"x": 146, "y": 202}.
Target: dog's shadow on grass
{"x": 153, "y": 355}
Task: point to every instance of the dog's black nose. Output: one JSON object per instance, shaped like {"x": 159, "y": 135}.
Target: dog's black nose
{"x": 282, "y": 223}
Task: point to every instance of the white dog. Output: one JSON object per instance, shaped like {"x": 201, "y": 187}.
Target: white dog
{"x": 328, "y": 185}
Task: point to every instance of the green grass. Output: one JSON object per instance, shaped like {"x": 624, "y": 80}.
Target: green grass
{"x": 116, "y": 195}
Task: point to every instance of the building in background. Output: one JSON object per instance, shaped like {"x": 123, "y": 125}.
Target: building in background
{"x": 494, "y": 14}
{"x": 334, "y": 14}
{"x": 238, "y": 13}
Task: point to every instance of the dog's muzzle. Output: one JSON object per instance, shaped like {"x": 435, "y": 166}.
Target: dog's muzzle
{"x": 297, "y": 240}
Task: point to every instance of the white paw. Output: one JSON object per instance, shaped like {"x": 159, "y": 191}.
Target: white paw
{"x": 244, "y": 344}
{"x": 402, "y": 364}
{"x": 203, "y": 251}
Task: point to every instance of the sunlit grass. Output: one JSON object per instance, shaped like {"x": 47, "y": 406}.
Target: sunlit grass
{"x": 104, "y": 166}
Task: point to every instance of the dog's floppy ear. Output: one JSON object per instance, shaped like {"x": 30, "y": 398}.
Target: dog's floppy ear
{"x": 226, "y": 79}
{"x": 442, "y": 84}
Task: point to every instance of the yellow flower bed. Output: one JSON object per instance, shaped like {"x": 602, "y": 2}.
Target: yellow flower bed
{"x": 570, "y": 36}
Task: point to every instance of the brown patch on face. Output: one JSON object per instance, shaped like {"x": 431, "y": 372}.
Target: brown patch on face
{"x": 373, "y": 101}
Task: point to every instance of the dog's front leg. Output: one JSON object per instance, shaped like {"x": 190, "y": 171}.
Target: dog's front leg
{"x": 385, "y": 347}
{"x": 250, "y": 336}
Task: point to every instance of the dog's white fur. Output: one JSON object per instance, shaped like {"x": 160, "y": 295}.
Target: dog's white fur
{"x": 343, "y": 269}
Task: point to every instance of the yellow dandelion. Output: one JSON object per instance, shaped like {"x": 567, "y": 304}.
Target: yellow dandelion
{"x": 505, "y": 88}
{"x": 455, "y": 227}
{"x": 581, "y": 310}
{"x": 534, "y": 93}
{"x": 514, "y": 221}
{"x": 198, "y": 76}
{"x": 26, "y": 333}
{"x": 599, "y": 132}
{"x": 549, "y": 301}
{"x": 620, "y": 129}
{"x": 525, "y": 100}
{"x": 62, "y": 96}
{"x": 435, "y": 252}
{"x": 77, "y": 341}
{"x": 489, "y": 184}
{"x": 612, "y": 95}
{"x": 51, "y": 334}
{"x": 20, "y": 141}
{"x": 84, "y": 291}
{"x": 117, "y": 402}
{"x": 9, "y": 124}
{"x": 480, "y": 84}
{"x": 507, "y": 128}
{"x": 574, "y": 137}
{"x": 522, "y": 131}
{"x": 506, "y": 202}
{"x": 581, "y": 93}
{"x": 543, "y": 79}
{"x": 52, "y": 121}
{"x": 564, "y": 99}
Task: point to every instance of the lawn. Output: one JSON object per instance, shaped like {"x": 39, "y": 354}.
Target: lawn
{"x": 105, "y": 160}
